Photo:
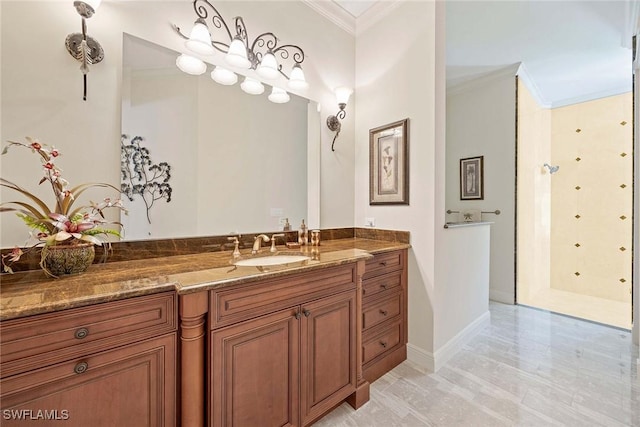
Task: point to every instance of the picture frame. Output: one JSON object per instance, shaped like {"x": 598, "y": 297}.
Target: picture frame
{"x": 389, "y": 164}
{"x": 472, "y": 178}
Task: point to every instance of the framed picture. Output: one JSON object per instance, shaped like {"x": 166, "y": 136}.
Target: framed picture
{"x": 389, "y": 164}
{"x": 471, "y": 178}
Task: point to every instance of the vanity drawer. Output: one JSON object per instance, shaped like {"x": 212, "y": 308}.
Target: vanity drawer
{"x": 381, "y": 342}
{"x": 380, "y": 311}
{"x": 40, "y": 340}
{"x": 378, "y": 286}
{"x": 383, "y": 263}
{"x": 242, "y": 302}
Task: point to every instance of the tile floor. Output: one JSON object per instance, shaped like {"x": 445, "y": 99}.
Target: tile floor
{"x": 600, "y": 310}
{"x": 528, "y": 368}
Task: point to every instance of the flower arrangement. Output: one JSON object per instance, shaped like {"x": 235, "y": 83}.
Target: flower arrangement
{"x": 62, "y": 223}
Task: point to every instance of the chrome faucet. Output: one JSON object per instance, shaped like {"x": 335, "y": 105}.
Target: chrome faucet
{"x": 273, "y": 242}
{"x": 257, "y": 241}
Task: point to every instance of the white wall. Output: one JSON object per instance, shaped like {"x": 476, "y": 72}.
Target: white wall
{"x": 42, "y": 89}
{"x": 395, "y": 51}
{"x": 480, "y": 119}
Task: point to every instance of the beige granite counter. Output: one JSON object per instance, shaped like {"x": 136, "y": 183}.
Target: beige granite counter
{"x": 28, "y": 293}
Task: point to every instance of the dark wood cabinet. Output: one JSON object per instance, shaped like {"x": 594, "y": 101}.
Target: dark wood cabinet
{"x": 255, "y": 372}
{"x": 290, "y": 366}
{"x": 108, "y": 380}
{"x": 384, "y": 313}
{"x": 328, "y": 354}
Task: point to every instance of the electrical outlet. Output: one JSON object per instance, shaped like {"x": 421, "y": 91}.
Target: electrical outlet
{"x": 277, "y": 212}
{"x": 370, "y": 222}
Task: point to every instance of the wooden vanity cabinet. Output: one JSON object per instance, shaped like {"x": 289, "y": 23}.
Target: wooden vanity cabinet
{"x": 103, "y": 365}
{"x": 283, "y": 352}
{"x": 384, "y": 313}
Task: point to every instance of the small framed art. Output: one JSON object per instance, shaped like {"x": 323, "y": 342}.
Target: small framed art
{"x": 389, "y": 164}
{"x": 471, "y": 178}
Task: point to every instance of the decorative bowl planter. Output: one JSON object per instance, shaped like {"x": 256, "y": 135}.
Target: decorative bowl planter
{"x": 67, "y": 259}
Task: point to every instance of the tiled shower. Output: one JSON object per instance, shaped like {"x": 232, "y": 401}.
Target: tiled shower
{"x": 577, "y": 221}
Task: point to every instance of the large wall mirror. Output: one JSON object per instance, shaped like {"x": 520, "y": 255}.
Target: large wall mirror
{"x": 239, "y": 162}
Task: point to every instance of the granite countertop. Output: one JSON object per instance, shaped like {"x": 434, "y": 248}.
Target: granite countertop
{"x": 32, "y": 292}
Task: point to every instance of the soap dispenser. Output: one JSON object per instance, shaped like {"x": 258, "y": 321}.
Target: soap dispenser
{"x": 302, "y": 234}
{"x": 287, "y": 226}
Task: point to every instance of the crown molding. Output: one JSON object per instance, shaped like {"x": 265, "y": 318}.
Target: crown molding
{"x": 592, "y": 96}
{"x": 531, "y": 85}
{"x": 334, "y": 13}
{"x": 483, "y": 80}
{"x": 375, "y": 14}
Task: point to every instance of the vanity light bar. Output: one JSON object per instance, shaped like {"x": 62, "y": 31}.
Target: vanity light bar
{"x": 260, "y": 55}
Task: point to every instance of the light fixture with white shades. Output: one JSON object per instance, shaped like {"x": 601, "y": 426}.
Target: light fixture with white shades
{"x": 223, "y": 76}
{"x": 333, "y": 122}
{"x": 261, "y": 54}
{"x": 278, "y": 95}
{"x": 82, "y": 47}
{"x": 200, "y": 39}
{"x": 190, "y": 65}
{"x": 252, "y": 86}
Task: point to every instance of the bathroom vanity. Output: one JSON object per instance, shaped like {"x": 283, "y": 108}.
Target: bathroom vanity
{"x": 192, "y": 340}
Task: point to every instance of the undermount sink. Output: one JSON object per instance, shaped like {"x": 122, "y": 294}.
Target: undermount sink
{"x": 269, "y": 261}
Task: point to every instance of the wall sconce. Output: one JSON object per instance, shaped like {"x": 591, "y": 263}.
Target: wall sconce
{"x": 259, "y": 55}
{"x": 82, "y": 47}
{"x": 333, "y": 122}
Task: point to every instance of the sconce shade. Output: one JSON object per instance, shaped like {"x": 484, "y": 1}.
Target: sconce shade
{"x": 223, "y": 76}
{"x": 278, "y": 96}
{"x": 237, "y": 54}
{"x": 297, "y": 80}
{"x": 252, "y": 86}
{"x": 200, "y": 40}
{"x": 343, "y": 94}
{"x": 191, "y": 65}
{"x": 268, "y": 67}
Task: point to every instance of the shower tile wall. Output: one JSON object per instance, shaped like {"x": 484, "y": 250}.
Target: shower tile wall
{"x": 591, "y": 198}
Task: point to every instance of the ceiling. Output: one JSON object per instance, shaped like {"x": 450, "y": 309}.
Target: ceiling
{"x": 572, "y": 50}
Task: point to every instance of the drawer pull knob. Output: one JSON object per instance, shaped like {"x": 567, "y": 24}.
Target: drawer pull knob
{"x": 81, "y": 333}
{"x": 383, "y": 263}
{"x": 306, "y": 312}
{"x": 383, "y": 312}
{"x": 81, "y": 368}
{"x": 383, "y": 286}
{"x": 383, "y": 344}
{"x": 297, "y": 315}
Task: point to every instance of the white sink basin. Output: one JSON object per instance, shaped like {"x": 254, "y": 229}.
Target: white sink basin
{"x": 268, "y": 261}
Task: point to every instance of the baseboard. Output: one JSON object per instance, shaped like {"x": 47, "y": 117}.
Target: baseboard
{"x": 447, "y": 351}
{"x": 420, "y": 357}
{"x": 432, "y": 362}
{"x": 501, "y": 296}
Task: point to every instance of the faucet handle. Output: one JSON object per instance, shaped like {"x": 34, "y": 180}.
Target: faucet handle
{"x": 236, "y": 250}
{"x": 273, "y": 241}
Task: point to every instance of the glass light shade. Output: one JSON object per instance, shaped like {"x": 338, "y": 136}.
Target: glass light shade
{"x": 252, "y": 86}
{"x": 200, "y": 40}
{"x": 268, "y": 67}
{"x": 343, "y": 94}
{"x": 224, "y": 76}
{"x": 191, "y": 65}
{"x": 278, "y": 96}
{"x": 237, "y": 54}
{"x": 297, "y": 80}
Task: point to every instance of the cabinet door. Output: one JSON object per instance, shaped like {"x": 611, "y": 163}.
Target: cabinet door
{"x": 328, "y": 354}
{"x": 131, "y": 385}
{"x": 255, "y": 372}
